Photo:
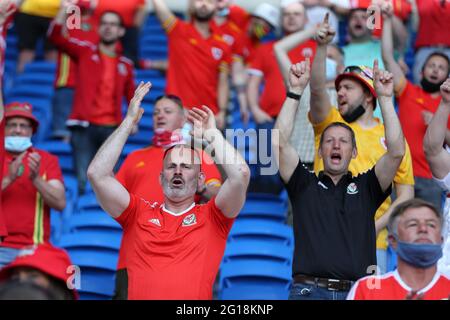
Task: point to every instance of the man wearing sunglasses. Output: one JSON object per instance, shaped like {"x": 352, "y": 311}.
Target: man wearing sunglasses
{"x": 356, "y": 103}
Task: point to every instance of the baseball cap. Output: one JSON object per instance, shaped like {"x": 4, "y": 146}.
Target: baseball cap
{"x": 363, "y": 74}
{"x": 24, "y": 110}
{"x": 268, "y": 12}
{"x": 44, "y": 257}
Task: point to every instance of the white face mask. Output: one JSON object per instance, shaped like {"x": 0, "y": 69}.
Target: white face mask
{"x": 17, "y": 144}
{"x": 331, "y": 66}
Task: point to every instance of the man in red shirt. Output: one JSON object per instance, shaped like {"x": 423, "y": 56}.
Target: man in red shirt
{"x": 32, "y": 184}
{"x": 432, "y": 33}
{"x": 416, "y": 107}
{"x": 140, "y": 172}
{"x": 65, "y": 79}
{"x": 263, "y": 67}
{"x": 177, "y": 236}
{"x": 415, "y": 234}
{"x": 104, "y": 78}
{"x": 199, "y": 59}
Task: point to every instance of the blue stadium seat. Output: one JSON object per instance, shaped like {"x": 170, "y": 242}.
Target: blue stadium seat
{"x": 94, "y": 259}
{"x": 93, "y": 220}
{"x": 260, "y": 280}
{"x": 88, "y": 201}
{"x": 63, "y": 151}
{"x": 39, "y": 78}
{"x": 266, "y": 208}
{"x": 142, "y": 137}
{"x": 89, "y": 239}
{"x": 262, "y": 229}
{"x": 40, "y": 66}
{"x": 257, "y": 249}
{"x": 34, "y": 91}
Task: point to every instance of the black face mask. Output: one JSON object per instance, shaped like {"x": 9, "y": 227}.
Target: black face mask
{"x": 430, "y": 87}
{"x": 354, "y": 115}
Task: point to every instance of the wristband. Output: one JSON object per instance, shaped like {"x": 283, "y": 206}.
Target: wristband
{"x": 294, "y": 96}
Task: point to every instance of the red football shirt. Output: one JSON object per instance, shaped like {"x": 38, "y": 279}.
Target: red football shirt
{"x": 264, "y": 63}
{"x": 139, "y": 174}
{"x": 195, "y": 64}
{"x": 434, "y": 17}
{"x": 173, "y": 256}
{"x": 104, "y": 111}
{"x": 412, "y": 102}
{"x": 127, "y": 9}
{"x": 66, "y": 67}
{"x": 26, "y": 215}
{"x": 390, "y": 286}
{"x": 3, "y": 231}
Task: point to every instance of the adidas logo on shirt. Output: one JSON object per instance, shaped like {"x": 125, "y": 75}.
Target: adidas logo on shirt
{"x": 155, "y": 221}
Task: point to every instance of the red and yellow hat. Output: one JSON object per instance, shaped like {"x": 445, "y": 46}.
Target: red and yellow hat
{"x": 363, "y": 74}
{"x": 24, "y": 110}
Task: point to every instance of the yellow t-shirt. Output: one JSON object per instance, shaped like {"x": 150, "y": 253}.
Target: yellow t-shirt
{"x": 371, "y": 147}
{"x": 41, "y": 8}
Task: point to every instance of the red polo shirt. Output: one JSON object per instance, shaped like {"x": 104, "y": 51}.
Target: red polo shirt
{"x": 3, "y": 231}
{"x": 195, "y": 64}
{"x": 264, "y": 63}
{"x": 434, "y": 26}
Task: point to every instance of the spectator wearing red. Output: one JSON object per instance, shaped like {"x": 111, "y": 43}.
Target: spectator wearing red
{"x": 32, "y": 184}
{"x": 417, "y": 104}
{"x": 65, "y": 79}
{"x": 199, "y": 59}
{"x": 104, "y": 78}
{"x": 432, "y": 33}
{"x": 140, "y": 172}
{"x": 45, "y": 266}
{"x": 133, "y": 13}
{"x": 263, "y": 68}
{"x": 178, "y": 235}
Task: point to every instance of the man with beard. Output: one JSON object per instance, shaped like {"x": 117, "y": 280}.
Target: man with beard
{"x": 416, "y": 107}
{"x": 356, "y": 104}
{"x": 176, "y": 246}
{"x": 199, "y": 59}
{"x": 103, "y": 78}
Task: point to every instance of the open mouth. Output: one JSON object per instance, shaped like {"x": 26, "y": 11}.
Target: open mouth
{"x": 177, "y": 183}
{"x": 335, "y": 158}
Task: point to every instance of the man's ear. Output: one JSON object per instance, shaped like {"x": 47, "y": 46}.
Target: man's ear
{"x": 354, "y": 153}
{"x": 320, "y": 153}
{"x": 122, "y": 32}
{"x": 392, "y": 241}
{"x": 201, "y": 181}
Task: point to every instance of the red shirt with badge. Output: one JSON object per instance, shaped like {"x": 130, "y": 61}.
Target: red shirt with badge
{"x": 390, "y": 286}
{"x": 173, "y": 256}
{"x": 3, "y": 231}
{"x": 264, "y": 64}
{"x": 412, "y": 102}
{"x": 139, "y": 174}
{"x": 195, "y": 64}
{"x": 26, "y": 215}
{"x": 66, "y": 68}
{"x": 434, "y": 23}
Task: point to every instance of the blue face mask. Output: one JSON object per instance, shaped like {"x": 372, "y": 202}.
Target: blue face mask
{"x": 17, "y": 144}
{"x": 331, "y": 66}
{"x": 223, "y": 13}
{"x": 420, "y": 255}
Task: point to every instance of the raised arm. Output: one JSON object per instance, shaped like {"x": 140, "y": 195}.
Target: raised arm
{"x": 162, "y": 11}
{"x": 437, "y": 156}
{"x": 7, "y": 8}
{"x": 387, "y": 48}
{"x": 231, "y": 196}
{"x": 112, "y": 196}
{"x": 320, "y": 101}
{"x": 285, "y": 155}
{"x": 283, "y": 46}
{"x": 387, "y": 166}
{"x": 223, "y": 95}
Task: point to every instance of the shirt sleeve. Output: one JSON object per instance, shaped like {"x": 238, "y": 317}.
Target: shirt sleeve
{"x": 373, "y": 189}
{"x": 256, "y": 62}
{"x": 129, "y": 217}
{"x": 173, "y": 26}
{"x": 222, "y": 223}
{"x": 444, "y": 183}
{"x": 72, "y": 46}
{"x": 299, "y": 179}
{"x": 404, "y": 174}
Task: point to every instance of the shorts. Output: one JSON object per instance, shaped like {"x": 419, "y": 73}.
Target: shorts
{"x": 30, "y": 29}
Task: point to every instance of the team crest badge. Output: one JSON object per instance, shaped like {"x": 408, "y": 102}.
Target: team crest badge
{"x": 217, "y": 53}
{"x": 189, "y": 220}
{"x": 352, "y": 188}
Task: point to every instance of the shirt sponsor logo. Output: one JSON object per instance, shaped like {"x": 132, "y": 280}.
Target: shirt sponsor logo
{"x": 352, "y": 188}
{"x": 217, "y": 53}
{"x": 189, "y": 220}
{"x": 155, "y": 221}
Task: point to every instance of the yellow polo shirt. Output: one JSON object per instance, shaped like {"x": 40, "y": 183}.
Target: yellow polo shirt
{"x": 41, "y": 8}
{"x": 371, "y": 147}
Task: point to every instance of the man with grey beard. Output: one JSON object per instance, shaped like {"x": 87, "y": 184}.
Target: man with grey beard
{"x": 177, "y": 246}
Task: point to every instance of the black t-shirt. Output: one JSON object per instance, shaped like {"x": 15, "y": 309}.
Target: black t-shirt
{"x": 334, "y": 226}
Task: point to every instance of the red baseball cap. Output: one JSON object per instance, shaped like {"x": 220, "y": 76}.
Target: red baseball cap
{"x": 44, "y": 257}
{"x": 24, "y": 110}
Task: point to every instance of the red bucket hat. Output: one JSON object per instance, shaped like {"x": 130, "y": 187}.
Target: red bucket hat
{"x": 24, "y": 110}
{"x": 362, "y": 74}
{"x": 44, "y": 257}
